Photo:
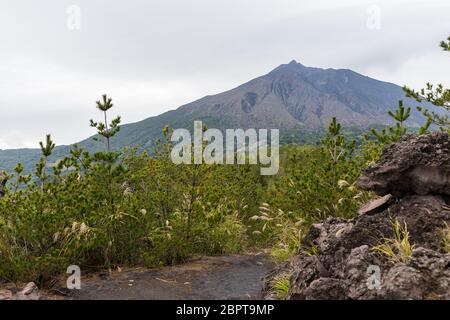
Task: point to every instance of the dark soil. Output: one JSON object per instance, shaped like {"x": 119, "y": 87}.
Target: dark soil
{"x": 221, "y": 277}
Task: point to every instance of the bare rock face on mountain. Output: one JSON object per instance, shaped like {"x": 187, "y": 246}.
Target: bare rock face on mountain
{"x": 415, "y": 170}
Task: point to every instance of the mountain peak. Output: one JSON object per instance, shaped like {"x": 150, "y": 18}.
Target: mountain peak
{"x": 293, "y": 65}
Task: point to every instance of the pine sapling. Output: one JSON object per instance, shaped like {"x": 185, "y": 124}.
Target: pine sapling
{"x": 103, "y": 128}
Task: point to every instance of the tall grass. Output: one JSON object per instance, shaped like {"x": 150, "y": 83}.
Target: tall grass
{"x": 398, "y": 248}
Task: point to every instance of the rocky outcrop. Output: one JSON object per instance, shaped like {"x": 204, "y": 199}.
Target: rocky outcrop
{"x": 413, "y": 176}
{"x": 413, "y": 165}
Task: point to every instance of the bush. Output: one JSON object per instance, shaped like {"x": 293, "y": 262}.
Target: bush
{"x": 107, "y": 209}
{"x": 318, "y": 182}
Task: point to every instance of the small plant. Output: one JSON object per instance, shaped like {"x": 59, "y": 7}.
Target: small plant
{"x": 354, "y": 195}
{"x": 313, "y": 250}
{"x": 437, "y": 95}
{"x": 398, "y": 249}
{"x": 104, "y": 129}
{"x": 283, "y": 232}
{"x": 41, "y": 166}
{"x": 393, "y": 133}
{"x": 281, "y": 285}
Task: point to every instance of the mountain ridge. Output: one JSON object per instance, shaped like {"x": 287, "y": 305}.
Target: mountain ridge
{"x": 292, "y": 97}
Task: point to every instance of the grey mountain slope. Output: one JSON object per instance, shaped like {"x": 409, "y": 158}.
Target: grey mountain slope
{"x": 291, "y": 96}
{"x": 294, "y": 95}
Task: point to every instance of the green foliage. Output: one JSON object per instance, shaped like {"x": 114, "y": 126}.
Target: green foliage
{"x": 438, "y": 96}
{"x": 103, "y": 129}
{"x": 280, "y": 286}
{"x": 445, "y": 45}
{"x": 393, "y": 133}
{"x": 41, "y": 166}
{"x": 282, "y": 232}
{"x": 106, "y": 209}
{"x": 311, "y": 250}
{"x": 310, "y": 184}
{"x": 48, "y": 148}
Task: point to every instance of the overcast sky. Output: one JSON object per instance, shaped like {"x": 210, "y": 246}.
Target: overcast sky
{"x": 155, "y": 55}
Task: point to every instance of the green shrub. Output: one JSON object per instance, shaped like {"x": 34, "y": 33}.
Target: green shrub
{"x": 107, "y": 209}
{"x": 280, "y": 286}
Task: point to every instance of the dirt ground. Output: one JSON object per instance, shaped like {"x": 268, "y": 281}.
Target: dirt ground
{"x": 222, "y": 277}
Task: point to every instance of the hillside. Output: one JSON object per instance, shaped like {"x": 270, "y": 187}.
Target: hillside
{"x": 297, "y": 99}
